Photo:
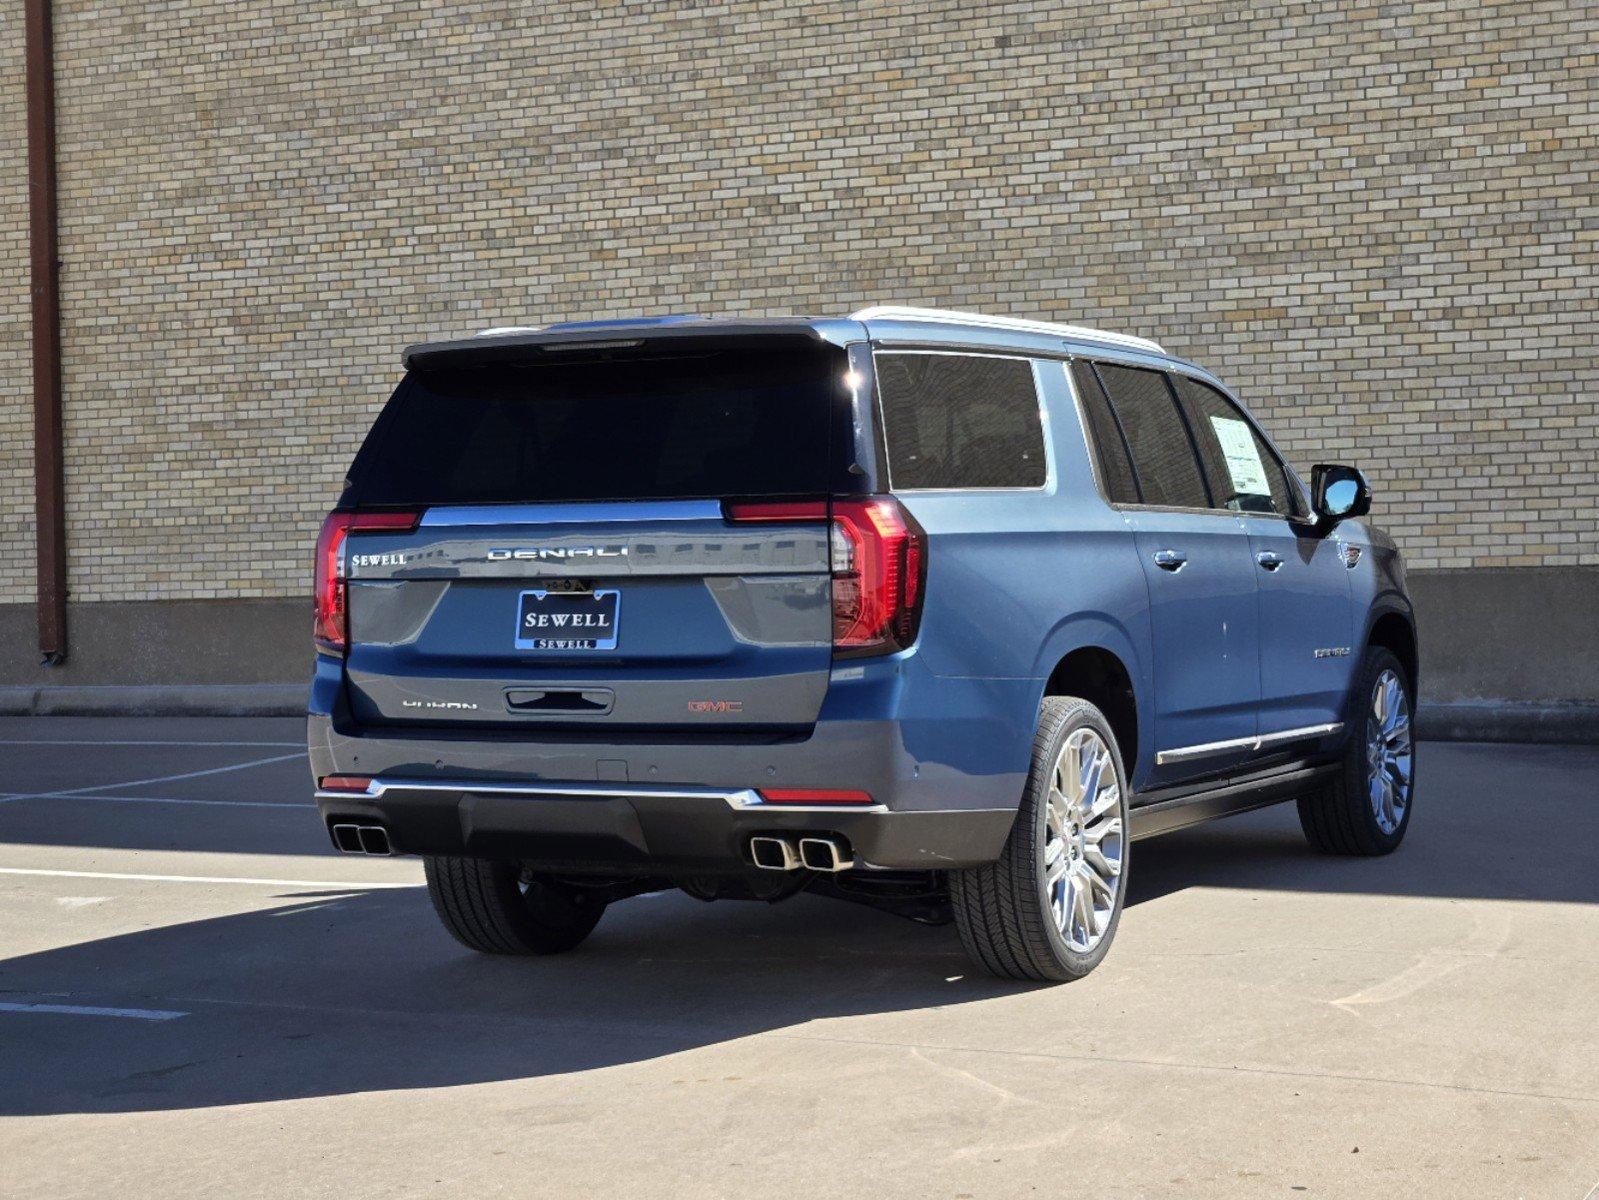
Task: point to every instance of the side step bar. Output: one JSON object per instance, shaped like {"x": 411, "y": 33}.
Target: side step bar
{"x": 1163, "y": 816}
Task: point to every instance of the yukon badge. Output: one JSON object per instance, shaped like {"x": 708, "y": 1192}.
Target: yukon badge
{"x": 455, "y": 704}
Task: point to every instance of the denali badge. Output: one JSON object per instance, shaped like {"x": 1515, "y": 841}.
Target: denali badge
{"x": 1333, "y": 652}
{"x": 555, "y": 553}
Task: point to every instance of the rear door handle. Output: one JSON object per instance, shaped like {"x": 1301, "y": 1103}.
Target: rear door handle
{"x": 1170, "y": 560}
{"x": 1269, "y": 560}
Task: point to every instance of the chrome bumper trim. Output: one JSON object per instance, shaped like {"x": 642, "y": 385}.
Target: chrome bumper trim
{"x": 738, "y": 799}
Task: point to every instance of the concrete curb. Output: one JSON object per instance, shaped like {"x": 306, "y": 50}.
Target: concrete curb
{"x": 157, "y": 700}
{"x": 1470, "y": 721}
{"x": 1501, "y": 721}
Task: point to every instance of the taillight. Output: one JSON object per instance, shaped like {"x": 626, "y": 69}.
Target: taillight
{"x": 743, "y": 511}
{"x": 330, "y": 629}
{"x": 878, "y": 561}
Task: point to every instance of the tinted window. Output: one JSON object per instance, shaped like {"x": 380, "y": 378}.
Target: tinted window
{"x": 960, "y": 421}
{"x": 1163, "y": 455}
{"x": 1244, "y": 474}
{"x": 717, "y": 423}
{"x": 1110, "y": 451}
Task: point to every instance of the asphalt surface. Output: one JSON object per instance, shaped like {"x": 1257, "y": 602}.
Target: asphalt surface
{"x": 198, "y": 997}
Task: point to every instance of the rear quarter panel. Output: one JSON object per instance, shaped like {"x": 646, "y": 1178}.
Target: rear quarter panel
{"x": 1019, "y": 579}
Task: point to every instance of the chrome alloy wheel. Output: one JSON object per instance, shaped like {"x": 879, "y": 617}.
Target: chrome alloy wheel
{"x": 1389, "y": 764}
{"x": 1083, "y": 840}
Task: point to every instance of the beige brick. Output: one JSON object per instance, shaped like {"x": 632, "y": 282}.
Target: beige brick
{"x": 1377, "y": 223}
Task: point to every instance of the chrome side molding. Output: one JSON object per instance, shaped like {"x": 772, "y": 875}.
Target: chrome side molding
{"x": 1258, "y": 742}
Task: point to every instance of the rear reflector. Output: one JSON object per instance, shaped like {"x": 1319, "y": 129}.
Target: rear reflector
{"x": 345, "y": 783}
{"x": 813, "y": 796}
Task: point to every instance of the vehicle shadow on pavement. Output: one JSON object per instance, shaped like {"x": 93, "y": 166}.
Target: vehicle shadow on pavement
{"x": 328, "y": 993}
{"x": 354, "y": 992}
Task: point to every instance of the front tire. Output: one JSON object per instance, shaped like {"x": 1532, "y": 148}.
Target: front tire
{"x": 495, "y": 907}
{"x": 1366, "y": 809}
{"x": 1049, "y": 907}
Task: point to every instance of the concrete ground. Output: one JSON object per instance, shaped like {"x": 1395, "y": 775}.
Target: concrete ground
{"x": 197, "y": 997}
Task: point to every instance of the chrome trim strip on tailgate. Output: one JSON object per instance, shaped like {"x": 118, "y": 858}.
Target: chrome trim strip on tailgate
{"x": 737, "y": 798}
{"x": 599, "y": 513}
{"x": 1186, "y": 753}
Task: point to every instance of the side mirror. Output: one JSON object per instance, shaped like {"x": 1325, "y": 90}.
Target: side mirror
{"x": 1338, "y": 493}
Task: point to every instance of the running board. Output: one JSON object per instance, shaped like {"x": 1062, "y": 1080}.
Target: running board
{"x": 1163, "y": 816}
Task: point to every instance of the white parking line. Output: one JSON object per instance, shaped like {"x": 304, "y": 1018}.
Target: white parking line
{"x": 341, "y": 885}
{"x": 131, "y": 783}
{"x": 302, "y": 805}
{"x": 144, "y": 742}
{"x": 84, "y": 1010}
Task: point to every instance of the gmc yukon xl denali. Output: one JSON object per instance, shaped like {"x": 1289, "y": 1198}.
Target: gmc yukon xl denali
{"x": 932, "y": 611}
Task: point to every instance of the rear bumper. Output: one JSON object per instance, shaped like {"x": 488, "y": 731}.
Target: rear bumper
{"x": 945, "y": 760}
{"x": 648, "y": 829}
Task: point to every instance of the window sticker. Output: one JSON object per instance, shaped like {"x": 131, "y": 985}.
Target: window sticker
{"x": 1242, "y": 455}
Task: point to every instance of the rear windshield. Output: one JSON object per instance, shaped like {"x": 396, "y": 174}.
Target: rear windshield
{"x": 721, "y": 423}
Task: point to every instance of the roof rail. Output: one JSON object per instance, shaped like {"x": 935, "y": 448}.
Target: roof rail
{"x": 500, "y": 330}
{"x": 947, "y": 316}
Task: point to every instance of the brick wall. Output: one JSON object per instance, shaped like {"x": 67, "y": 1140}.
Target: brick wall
{"x": 1377, "y": 221}
{"x": 16, "y": 395}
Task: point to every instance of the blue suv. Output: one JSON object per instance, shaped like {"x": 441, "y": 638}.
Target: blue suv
{"x": 932, "y": 611}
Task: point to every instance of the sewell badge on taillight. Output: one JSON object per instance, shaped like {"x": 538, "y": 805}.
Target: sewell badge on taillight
{"x": 330, "y": 630}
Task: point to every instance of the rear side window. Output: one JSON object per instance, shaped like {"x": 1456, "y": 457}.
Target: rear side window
{"x": 1244, "y": 474}
{"x": 1163, "y": 454}
{"x": 1110, "y": 450}
{"x": 664, "y": 426}
{"x": 961, "y": 421}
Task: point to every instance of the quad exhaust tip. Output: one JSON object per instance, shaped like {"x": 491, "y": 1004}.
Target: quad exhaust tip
{"x": 818, "y": 853}
{"x": 362, "y": 839}
{"x": 773, "y": 853}
{"x": 824, "y": 854}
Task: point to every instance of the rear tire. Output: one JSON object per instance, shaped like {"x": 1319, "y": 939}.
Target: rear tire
{"x": 1049, "y": 907}
{"x": 1365, "y": 810}
{"x": 495, "y": 907}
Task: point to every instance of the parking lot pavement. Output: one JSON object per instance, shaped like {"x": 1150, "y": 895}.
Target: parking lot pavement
{"x": 198, "y": 997}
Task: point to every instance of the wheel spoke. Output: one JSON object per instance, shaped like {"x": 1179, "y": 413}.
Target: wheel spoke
{"x": 1069, "y": 772}
{"x": 1066, "y": 906}
{"x": 1056, "y": 812}
{"x": 1085, "y": 912}
{"x": 1101, "y": 829}
{"x": 1056, "y": 864}
{"x": 1092, "y": 771}
{"x": 1097, "y": 881}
